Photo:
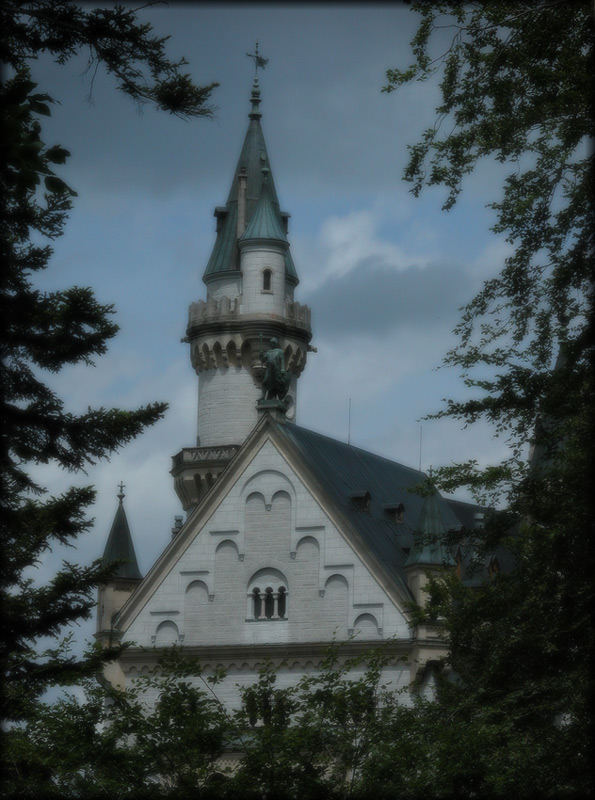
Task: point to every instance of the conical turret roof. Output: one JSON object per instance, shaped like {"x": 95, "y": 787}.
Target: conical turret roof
{"x": 119, "y": 546}
{"x": 428, "y": 547}
{"x": 265, "y": 222}
{"x": 253, "y": 159}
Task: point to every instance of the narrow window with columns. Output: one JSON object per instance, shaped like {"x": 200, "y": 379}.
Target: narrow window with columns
{"x": 266, "y": 280}
{"x": 269, "y": 603}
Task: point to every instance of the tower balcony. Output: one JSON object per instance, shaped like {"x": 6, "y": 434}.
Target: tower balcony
{"x": 226, "y": 309}
{"x": 195, "y": 470}
{"x": 221, "y": 336}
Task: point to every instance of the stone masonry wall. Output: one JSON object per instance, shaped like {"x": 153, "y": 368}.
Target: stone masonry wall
{"x": 269, "y": 522}
{"x": 227, "y": 399}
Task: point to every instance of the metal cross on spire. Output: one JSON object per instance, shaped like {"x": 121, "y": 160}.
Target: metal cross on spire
{"x": 121, "y": 488}
{"x": 259, "y": 61}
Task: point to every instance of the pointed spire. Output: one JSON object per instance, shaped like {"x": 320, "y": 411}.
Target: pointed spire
{"x": 249, "y": 174}
{"x": 119, "y": 546}
{"x": 428, "y": 547}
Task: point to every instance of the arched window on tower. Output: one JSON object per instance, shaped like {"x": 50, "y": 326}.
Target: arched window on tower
{"x": 266, "y": 280}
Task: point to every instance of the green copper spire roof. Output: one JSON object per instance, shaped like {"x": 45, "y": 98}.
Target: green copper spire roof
{"x": 119, "y": 545}
{"x": 266, "y": 221}
{"x": 428, "y": 547}
{"x": 253, "y": 158}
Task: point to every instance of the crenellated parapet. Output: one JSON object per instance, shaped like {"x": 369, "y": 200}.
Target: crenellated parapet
{"x": 221, "y": 337}
{"x": 226, "y": 308}
{"x": 298, "y": 313}
{"x": 212, "y": 309}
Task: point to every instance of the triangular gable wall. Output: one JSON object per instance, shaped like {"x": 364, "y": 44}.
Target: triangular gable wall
{"x": 264, "y": 525}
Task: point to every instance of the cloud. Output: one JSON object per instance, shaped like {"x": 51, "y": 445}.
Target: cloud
{"x": 344, "y": 242}
{"x": 491, "y": 259}
{"x": 377, "y": 297}
{"x": 392, "y": 387}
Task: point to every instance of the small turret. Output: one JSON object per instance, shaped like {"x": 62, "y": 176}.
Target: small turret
{"x": 262, "y": 257}
{"x": 428, "y": 554}
{"x": 112, "y": 595}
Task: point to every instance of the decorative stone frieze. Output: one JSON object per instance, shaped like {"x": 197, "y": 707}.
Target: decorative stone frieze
{"x": 242, "y": 350}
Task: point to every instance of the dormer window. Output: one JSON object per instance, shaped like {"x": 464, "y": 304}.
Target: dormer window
{"x": 361, "y": 500}
{"x": 220, "y": 213}
{"x": 266, "y": 280}
{"x": 395, "y": 512}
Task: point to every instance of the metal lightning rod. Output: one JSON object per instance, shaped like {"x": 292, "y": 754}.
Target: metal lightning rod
{"x": 349, "y": 423}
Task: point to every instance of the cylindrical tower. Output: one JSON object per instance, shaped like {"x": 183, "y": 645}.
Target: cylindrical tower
{"x": 250, "y": 280}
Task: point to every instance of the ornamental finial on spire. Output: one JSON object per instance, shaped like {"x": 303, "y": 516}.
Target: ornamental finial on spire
{"x": 121, "y": 494}
{"x": 259, "y": 61}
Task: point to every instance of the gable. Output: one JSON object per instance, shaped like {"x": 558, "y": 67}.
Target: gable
{"x": 266, "y": 527}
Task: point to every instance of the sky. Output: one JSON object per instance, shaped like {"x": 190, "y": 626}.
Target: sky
{"x": 383, "y": 272}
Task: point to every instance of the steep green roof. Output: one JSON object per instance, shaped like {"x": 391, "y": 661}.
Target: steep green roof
{"x": 345, "y": 471}
{"x": 119, "y": 546}
{"x": 266, "y": 221}
{"x": 428, "y": 547}
{"x": 253, "y": 158}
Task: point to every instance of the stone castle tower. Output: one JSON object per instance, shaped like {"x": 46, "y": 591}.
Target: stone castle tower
{"x": 250, "y": 279}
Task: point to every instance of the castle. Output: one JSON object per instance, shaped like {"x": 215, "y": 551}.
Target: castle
{"x": 290, "y": 539}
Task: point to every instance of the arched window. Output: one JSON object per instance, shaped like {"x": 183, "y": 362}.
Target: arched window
{"x": 266, "y": 280}
{"x": 166, "y": 634}
{"x": 269, "y": 603}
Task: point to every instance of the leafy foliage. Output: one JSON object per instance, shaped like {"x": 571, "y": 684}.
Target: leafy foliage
{"x": 114, "y": 743}
{"x": 46, "y": 331}
{"x": 164, "y": 735}
{"x": 113, "y": 37}
{"x": 517, "y": 86}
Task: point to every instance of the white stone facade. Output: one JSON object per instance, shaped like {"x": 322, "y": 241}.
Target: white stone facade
{"x": 268, "y": 521}
{"x": 268, "y": 532}
{"x": 256, "y": 260}
{"x": 227, "y": 398}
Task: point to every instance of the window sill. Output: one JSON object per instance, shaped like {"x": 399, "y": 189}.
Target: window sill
{"x": 267, "y": 291}
{"x": 270, "y": 619}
